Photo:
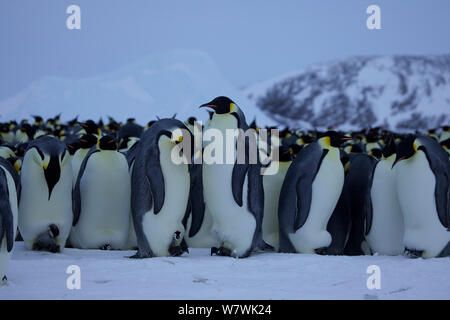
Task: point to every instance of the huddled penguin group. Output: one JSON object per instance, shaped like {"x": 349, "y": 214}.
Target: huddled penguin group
{"x": 116, "y": 186}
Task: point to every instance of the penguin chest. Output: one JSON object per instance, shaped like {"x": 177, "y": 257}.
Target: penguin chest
{"x": 272, "y": 188}
{"x": 105, "y": 195}
{"x": 326, "y": 189}
{"x": 160, "y": 228}
{"x": 37, "y": 211}
{"x": 415, "y": 184}
{"x": 386, "y": 233}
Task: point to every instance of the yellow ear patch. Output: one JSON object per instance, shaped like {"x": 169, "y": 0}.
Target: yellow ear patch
{"x": 232, "y": 107}
{"x": 180, "y": 138}
{"x": 415, "y": 147}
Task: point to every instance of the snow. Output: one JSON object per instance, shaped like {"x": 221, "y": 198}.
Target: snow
{"x": 110, "y": 275}
{"x": 160, "y": 85}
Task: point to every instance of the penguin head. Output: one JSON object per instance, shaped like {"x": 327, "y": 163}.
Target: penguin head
{"x": 191, "y": 121}
{"x": 376, "y": 153}
{"x": 406, "y": 149}
{"x": 221, "y": 105}
{"x": 90, "y": 127}
{"x": 87, "y": 141}
{"x": 332, "y": 139}
{"x": 51, "y": 155}
{"x": 175, "y": 135}
{"x": 107, "y": 143}
{"x": 390, "y": 148}
{"x": 73, "y": 146}
{"x": 295, "y": 149}
{"x": 285, "y": 154}
{"x": 226, "y": 107}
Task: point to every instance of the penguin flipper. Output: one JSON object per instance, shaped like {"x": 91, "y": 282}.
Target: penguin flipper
{"x": 439, "y": 164}
{"x": 304, "y": 189}
{"x": 237, "y": 181}
{"x": 256, "y": 203}
{"x": 8, "y": 166}
{"x": 76, "y": 193}
{"x": 6, "y": 216}
{"x": 155, "y": 177}
{"x": 196, "y": 202}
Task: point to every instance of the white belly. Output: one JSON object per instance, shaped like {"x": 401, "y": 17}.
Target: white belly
{"x": 233, "y": 226}
{"x": 326, "y": 189}
{"x": 36, "y": 212}
{"x": 5, "y": 256}
{"x": 105, "y": 203}
{"x": 160, "y": 228}
{"x": 415, "y": 184}
{"x": 386, "y": 234}
{"x": 272, "y": 189}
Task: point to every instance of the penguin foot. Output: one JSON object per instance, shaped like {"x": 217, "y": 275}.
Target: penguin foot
{"x": 176, "y": 251}
{"x": 45, "y": 246}
{"x": 139, "y": 255}
{"x": 322, "y": 251}
{"x": 221, "y": 251}
{"x": 105, "y": 247}
{"x": 413, "y": 253}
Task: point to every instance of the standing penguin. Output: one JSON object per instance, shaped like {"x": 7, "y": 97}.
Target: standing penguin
{"x": 45, "y": 208}
{"x": 9, "y": 184}
{"x": 358, "y": 185}
{"x": 385, "y": 235}
{"x": 272, "y": 187}
{"x": 233, "y": 193}
{"x": 422, "y": 172}
{"x": 101, "y": 199}
{"x": 309, "y": 195}
{"x": 160, "y": 190}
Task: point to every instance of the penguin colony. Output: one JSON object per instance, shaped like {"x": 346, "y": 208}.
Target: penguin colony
{"x": 114, "y": 186}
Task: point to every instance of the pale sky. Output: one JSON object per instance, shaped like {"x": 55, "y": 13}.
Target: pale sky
{"x": 250, "y": 40}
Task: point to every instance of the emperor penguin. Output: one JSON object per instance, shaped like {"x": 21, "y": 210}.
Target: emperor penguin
{"x": 160, "y": 188}
{"x": 9, "y": 186}
{"x": 309, "y": 194}
{"x": 101, "y": 199}
{"x": 272, "y": 188}
{"x": 45, "y": 207}
{"x": 87, "y": 141}
{"x": 359, "y": 179}
{"x": 422, "y": 172}
{"x": 385, "y": 235}
{"x": 233, "y": 189}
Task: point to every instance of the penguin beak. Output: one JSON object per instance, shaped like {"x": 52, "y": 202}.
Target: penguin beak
{"x": 207, "y": 105}
{"x": 345, "y": 138}
{"x": 83, "y": 125}
{"x": 52, "y": 173}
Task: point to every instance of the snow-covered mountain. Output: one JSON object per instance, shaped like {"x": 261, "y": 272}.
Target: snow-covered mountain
{"x": 396, "y": 92}
{"x": 159, "y": 85}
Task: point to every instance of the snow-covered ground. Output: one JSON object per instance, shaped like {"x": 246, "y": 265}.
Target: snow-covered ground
{"x": 109, "y": 275}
